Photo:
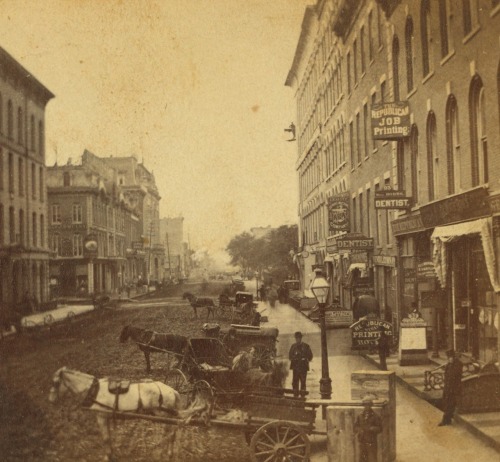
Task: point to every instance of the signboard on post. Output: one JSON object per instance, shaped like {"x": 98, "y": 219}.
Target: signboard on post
{"x": 390, "y": 121}
{"x": 366, "y": 332}
{"x": 338, "y": 213}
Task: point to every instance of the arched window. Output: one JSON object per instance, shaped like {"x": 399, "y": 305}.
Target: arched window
{"x": 453, "y": 145}
{"x": 12, "y": 225}
{"x": 2, "y": 235}
{"x": 425, "y": 30}
{"x": 20, "y": 138}
{"x": 42, "y": 230}
{"x": 444, "y": 27}
{"x": 21, "y": 226}
{"x": 34, "y": 230}
{"x": 401, "y": 165}
{"x": 409, "y": 53}
{"x": 32, "y": 132}
{"x": 414, "y": 163}
{"x": 10, "y": 120}
{"x": 41, "y": 139}
{"x": 1, "y": 114}
{"x": 395, "y": 67}
{"x": 432, "y": 157}
{"x": 478, "y": 138}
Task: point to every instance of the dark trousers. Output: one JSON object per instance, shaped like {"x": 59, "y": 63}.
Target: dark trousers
{"x": 448, "y": 410}
{"x": 368, "y": 452}
{"x": 299, "y": 376}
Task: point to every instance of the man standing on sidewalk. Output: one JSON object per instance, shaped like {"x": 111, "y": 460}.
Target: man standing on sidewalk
{"x": 452, "y": 386}
{"x": 300, "y": 354}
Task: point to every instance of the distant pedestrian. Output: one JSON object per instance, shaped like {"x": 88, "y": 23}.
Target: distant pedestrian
{"x": 452, "y": 386}
{"x": 300, "y": 355}
{"x": 263, "y": 292}
{"x": 367, "y": 426}
{"x": 384, "y": 349}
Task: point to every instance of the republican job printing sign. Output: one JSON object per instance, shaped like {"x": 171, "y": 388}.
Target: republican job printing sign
{"x": 338, "y": 212}
{"x": 366, "y": 332}
{"x": 390, "y": 121}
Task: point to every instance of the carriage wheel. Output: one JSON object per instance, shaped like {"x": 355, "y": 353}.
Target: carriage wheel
{"x": 205, "y": 391}
{"x": 177, "y": 380}
{"x": 280, "y": 441}
{"x": 263, "y": 356}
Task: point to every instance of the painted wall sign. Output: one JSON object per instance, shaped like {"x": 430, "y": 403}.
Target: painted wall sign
{"x": 390, "y": 120}
{"x": 407, "y": 225}
{"x": 462, "y": 207}
{"x": 337, "y": 316}
{"x": 338, "y": 212}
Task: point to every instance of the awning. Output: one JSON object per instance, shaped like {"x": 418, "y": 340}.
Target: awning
{"x": 442, "y": 235}
{"x": 359, "y": 266}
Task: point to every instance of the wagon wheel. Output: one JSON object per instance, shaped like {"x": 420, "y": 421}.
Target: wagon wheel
{"x": 280, "y": 441}
{"x": 263, "y": 356}
{"x": 204, "y": 390}
{"x": 177, "y": 380}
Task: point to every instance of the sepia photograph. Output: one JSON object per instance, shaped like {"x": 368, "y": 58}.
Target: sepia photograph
{"x": 249, "y": 230}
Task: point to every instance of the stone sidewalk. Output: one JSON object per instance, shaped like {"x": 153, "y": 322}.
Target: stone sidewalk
{"x": 484, "y": 425}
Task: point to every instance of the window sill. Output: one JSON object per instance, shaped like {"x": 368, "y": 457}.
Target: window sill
{"x": 411, "y": 93}
{"x": 471, "y": 34}
{"x": 375, "y": 150}
{"x": 447, "y": 57}
{"x": 385, "y": 143}
{"x": 427, "y": 77}
{"x": 495, "y": 11}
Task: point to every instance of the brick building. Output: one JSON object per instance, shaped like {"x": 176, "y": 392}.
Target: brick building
{"x": 24, "y": 253}
{"x": 91, "y": 229}
{"x": 438, "y": 62}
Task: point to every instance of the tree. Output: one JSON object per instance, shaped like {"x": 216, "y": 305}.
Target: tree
{"x": 270, "y": 253}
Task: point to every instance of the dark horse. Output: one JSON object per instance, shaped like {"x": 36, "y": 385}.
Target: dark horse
{"x": 149, "y": 341}
{"x": 200, "y": 302}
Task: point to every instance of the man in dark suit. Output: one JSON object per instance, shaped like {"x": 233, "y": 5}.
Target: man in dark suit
{"x": 452, "y": 386}
{"x": 300, "y": 354}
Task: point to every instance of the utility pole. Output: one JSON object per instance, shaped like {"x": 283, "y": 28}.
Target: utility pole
{"x": 168, "y": 255}
{"x": 150, "y": 250}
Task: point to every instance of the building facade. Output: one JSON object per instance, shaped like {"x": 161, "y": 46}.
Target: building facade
{"x": 139, "y": 188}
{"x": 432, "y": 69}
{"x": 91, "y": 229}
{"x": 24, "y": 252}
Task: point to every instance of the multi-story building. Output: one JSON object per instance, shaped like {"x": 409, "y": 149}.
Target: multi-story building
{"x": 24, "y": 253}
{"x": 399, "y": 99}
{"x": 139, "y": 187}
{"x": 91, "y": 229}
{"x": 172, "y": 234}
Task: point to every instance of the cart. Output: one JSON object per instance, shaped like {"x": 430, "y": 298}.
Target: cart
{"x": 241, "y": 337}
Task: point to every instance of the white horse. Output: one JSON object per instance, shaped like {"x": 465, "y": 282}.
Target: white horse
{"x": 94, "y": 394}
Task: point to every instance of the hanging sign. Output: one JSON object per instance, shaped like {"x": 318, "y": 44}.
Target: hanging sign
{"x": 388, "y": 199}
{"x": 390, "y": 121}
{"x": 338, "y": 213}
{"x": 355, "y": 241}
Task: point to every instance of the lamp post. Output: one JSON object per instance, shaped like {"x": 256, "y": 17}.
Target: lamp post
{"x": 320, "y": 288}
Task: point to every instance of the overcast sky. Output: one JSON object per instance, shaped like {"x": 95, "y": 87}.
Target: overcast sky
{"x": 193, "y": 87}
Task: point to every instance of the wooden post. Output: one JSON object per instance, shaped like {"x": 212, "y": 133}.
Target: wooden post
{"x": 342, "y": 443}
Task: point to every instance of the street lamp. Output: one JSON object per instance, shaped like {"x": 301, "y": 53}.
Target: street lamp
{"x": 320, "y": 288}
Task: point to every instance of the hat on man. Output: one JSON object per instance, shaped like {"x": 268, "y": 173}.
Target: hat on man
{"x": 298, "y": 334}
{"x": 367, "y": 400}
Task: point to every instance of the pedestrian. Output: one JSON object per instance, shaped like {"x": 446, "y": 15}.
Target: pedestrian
{"x": 452, "y": 386}
{"x": 384, "y": 349}
{"x": 300, "y": 355}
{"x": 367, "y": 426}
{"x": 263, "y": 292}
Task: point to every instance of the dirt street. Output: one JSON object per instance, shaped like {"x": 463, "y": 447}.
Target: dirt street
{"x": 33, "y": 429}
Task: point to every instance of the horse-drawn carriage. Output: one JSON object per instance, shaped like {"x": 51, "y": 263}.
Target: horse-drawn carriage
{"x": 276, "y": 427}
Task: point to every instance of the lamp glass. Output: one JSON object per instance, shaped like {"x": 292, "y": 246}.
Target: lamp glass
{"x": 320, "y": 288}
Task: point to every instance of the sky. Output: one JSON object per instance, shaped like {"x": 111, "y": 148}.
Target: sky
{"x": 194, "y": 88}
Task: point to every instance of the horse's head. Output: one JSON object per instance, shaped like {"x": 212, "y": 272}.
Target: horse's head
{"x": 125, "y": 334}
{"x": 59, "y": 387}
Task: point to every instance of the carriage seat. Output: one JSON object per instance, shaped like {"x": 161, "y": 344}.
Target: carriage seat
{"x": 118, "y": 386}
